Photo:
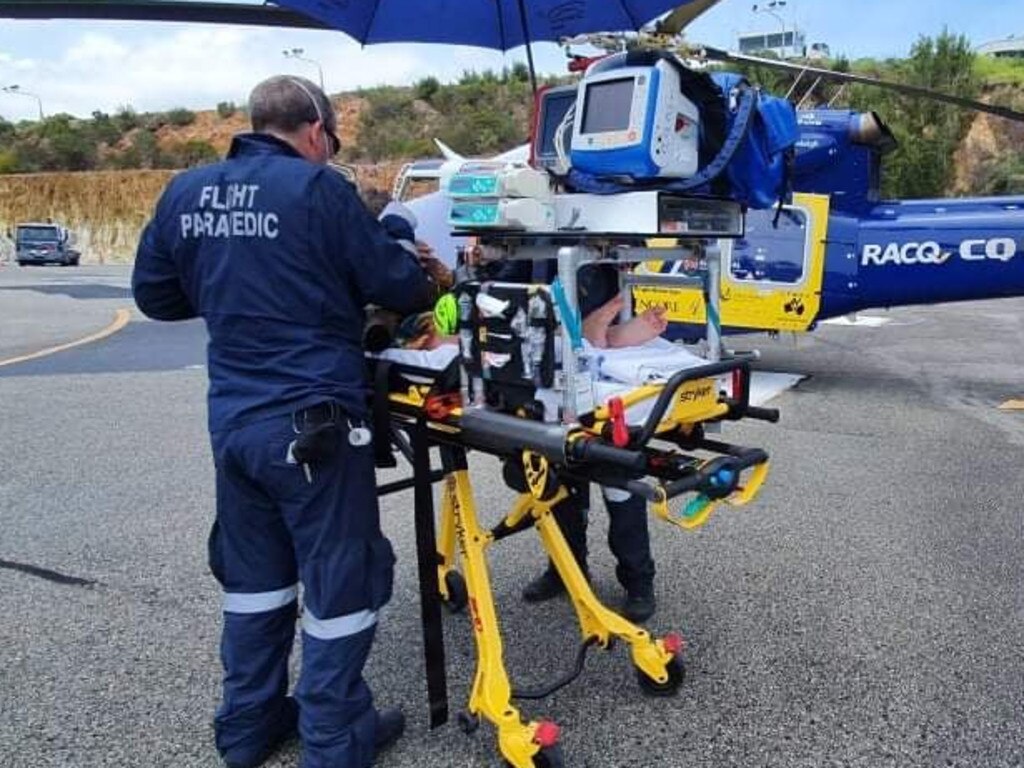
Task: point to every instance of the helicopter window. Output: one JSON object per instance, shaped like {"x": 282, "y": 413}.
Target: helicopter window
{"x": 767, "y": 254}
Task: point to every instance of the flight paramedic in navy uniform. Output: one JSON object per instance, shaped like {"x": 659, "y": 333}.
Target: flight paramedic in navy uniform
{"x": 275, "y": 251}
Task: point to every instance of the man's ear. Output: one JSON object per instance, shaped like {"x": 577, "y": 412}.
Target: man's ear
{"x": 308, "y": 143}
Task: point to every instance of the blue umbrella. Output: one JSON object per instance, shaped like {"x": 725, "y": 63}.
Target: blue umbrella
{"x": 499, "y": 24}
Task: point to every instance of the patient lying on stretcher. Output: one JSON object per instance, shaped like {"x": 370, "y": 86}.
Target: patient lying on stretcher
{"x": 623, "y": 353}
{"x": 420, "y": 333}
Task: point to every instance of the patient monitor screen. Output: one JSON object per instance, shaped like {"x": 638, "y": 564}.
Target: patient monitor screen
{"x": 555, "y": 105}
{"x": 607, "y": 106}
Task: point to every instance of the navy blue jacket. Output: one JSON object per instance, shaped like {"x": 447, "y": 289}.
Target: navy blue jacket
{"x": 279, "y": 256}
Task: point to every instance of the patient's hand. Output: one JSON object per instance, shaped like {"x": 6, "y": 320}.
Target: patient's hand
{"x": 640, "y": 329}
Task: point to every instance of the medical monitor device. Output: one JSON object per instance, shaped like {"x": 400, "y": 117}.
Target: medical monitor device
{"x": 634, "y": 121}
{"x": 550, "y": 107}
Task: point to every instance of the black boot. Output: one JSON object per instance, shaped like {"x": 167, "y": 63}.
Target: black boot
{"x": 281, "y": 731}
{"x": 390, "y": 727}
{"x": 547, "y": 586}
{"x": 640, "y": 604}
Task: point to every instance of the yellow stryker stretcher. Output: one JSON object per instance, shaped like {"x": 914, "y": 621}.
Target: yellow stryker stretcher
{"x": 489, "y": 399}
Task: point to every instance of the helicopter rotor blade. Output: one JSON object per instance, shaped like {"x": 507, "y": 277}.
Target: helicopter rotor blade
{"x": 684, "y": 16}
{"x": 159, "y": 10}
{"x": 717, "y": 54}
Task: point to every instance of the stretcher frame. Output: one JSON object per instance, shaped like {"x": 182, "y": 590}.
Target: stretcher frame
{"x": 540, "y": 458}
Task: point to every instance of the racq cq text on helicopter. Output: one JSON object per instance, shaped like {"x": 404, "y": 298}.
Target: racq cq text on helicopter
{"x": 838, "y": 248}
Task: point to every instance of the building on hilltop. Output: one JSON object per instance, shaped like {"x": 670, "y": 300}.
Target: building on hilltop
{"x": 1011, "y": 47}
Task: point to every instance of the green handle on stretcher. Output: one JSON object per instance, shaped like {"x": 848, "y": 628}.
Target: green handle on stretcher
{"x": 695, "y": 512}
{"x": 698, "y": 510}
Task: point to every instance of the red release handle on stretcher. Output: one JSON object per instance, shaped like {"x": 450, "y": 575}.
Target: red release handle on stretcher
{"x": 620, "y": 431}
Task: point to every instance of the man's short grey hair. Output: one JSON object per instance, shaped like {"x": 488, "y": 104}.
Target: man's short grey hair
{"x": 285, "y": 102}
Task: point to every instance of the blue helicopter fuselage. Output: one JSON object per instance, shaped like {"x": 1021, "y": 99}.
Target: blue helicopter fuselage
{"x": 839, "y": 248}
{"x": 895, "y": 253}
{"x": 884, "y": 253}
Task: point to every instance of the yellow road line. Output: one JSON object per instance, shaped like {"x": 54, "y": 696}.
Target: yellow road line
{"x": 121, "y": 318}
{"x": 1012, "y": 405}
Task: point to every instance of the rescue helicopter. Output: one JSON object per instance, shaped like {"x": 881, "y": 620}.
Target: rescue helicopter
{"x": 838, "y": 248}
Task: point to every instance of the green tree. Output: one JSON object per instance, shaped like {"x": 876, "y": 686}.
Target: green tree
{"x": 180, "y": 117}
{"x": 126, "y": 118}
{"x": 9, "y": 161}
{"x": 1002, "y": 176}
{"x": 103, "y": 128}
{"x": 427, "y": 88}
{"x": 146, "y": 150}
{"x": 928, "y": 131}
{"x": 67, "y": 144}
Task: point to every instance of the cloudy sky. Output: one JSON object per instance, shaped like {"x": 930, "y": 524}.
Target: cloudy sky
{"x": 79, "y": 67}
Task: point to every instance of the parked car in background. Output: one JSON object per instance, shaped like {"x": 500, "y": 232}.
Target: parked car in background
{"x": 44, "y": 243}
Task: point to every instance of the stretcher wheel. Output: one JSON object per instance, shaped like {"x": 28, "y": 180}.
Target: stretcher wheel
{"x": 547, "y": 757}
{"x": 676, "y": 672}
{"x": 468, "y": 722}
{"x": 458, "y": 596}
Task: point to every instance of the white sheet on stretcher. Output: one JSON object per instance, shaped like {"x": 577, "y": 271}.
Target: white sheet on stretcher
{"x": 656, "y": 360}
{"x": 620, "y": 370}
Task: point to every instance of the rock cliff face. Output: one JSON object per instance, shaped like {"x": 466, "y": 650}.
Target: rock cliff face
{"x": 989, "y": 141}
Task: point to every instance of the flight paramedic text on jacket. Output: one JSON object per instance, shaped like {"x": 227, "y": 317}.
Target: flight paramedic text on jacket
{"x": 275, "y": 251}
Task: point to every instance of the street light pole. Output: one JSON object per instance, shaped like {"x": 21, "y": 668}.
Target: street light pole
{"x": 16, "y": 90}
{"x": 769, "y": 9}
{"x": 296, "y": 53}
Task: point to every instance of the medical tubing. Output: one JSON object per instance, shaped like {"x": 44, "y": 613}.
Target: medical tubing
{"x": 534, "y": 694}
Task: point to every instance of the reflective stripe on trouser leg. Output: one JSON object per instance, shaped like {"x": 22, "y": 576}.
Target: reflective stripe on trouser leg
{"x": 260, "y": 602}
{"x": 338, "y": 627}
{"x": 615, "y": 494}
{"x": 337, "y": 720}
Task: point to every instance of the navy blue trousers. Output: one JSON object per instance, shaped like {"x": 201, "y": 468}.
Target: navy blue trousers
{"x": 628, "y": 536}
{"x": 275, "y": 527}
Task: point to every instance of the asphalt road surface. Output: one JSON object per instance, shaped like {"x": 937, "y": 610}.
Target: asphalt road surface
{"x": 867, "y": 610}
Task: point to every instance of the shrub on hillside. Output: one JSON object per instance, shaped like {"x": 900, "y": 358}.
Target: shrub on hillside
{"x": 146, "y": 151}
{"x": 8, "y": 161}
{"x": 103, "y": 129}
{"x": 226, "y": 109}
{"x": 189, "y": 154}
{"x": 126, "y": 118}
{"x": 180, "y": 117}
{"x": 427, "y": 88}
